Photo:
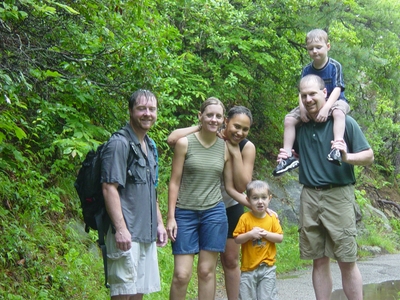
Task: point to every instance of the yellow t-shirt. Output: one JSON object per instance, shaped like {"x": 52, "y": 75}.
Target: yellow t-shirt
{"x": 259, "y": 251}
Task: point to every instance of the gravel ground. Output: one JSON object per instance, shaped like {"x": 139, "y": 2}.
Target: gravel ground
{"x": 298, "y": 286}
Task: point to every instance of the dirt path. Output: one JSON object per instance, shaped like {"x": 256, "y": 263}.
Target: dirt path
{"x": 298, "y": 286}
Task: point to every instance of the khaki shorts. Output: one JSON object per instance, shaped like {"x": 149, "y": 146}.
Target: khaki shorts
{"x": 134, "y": 271}
{"x": 328, "y": 224}
{"x": 339, "y": 104}
{"x": 259, "y": 283}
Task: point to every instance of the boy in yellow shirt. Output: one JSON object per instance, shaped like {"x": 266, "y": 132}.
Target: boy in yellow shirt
{"x": 258, "y": 232}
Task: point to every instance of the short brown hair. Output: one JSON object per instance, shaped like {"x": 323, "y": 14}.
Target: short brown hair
{"x": 139, "y": 94}
{"x": 256, "y": 185}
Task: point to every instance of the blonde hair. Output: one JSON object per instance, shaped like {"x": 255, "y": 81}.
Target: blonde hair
{"x": 256, "y": 185}
{"x": 212, "y": 101}
{"x": 317, "y": 35}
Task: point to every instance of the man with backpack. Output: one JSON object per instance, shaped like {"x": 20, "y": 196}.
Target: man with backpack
{"x": 128, "y": 176}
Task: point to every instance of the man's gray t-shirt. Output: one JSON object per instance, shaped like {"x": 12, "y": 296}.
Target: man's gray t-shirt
{"x": 136, "y": 186}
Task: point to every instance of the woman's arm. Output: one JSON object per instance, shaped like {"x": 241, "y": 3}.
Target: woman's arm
{"x": 235, "y": 195}
{"x": 229, "y": 185}
{"x": 242, "y": 164}
{"x": 174, "y": 184}
{"x": 180, "y": 133}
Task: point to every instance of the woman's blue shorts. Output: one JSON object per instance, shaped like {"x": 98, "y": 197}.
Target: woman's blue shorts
{"x": 200, "y": 230}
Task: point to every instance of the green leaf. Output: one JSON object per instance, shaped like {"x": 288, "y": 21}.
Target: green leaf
{"x": 19, "y": 133}
{"x": 49, "y": 73}
{"x": 67, "y": 8}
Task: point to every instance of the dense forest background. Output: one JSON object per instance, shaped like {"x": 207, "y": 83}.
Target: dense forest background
{"x": 68, "y": 67}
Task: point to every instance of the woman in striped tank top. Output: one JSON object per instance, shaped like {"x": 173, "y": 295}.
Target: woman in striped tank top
{"x": 235, "y": 131}
{"x": 196, "y": 222}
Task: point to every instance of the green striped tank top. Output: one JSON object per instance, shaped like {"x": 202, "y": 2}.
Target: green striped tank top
{"x": 202, "y": 172}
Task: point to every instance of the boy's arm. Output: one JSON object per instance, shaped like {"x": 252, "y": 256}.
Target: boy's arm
{"x": 303, "y": 111}
{"x": 179, "y": 133}
{"x": 257, "y": 233}
{"x": 273, "y": 237}
{"x": 254, "y": 234}
{"x": 276, "y": 233}
{"x": 244, "y": 237}
{"x": 334, "y": 96}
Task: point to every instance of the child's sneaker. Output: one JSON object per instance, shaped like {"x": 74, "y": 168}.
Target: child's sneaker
{"x": 285, "y": 165}
{"x": 335, "y": 157}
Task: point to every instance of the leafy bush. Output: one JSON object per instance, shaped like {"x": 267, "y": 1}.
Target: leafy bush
{"x": 68, "y": 67}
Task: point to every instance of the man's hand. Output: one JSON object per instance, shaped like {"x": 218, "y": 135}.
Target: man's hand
{"x": 123, "y": 239}
{"x": 162, "y": 237}
{"x": 283, "y": 154}
{"x": 341, "y": 146}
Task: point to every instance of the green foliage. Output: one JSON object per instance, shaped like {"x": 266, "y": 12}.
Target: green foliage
{"x": 361, "y": 198}
{"x": 375, "y": 233}
{"x": 288, "y": 254}
{"x": 67, "y": 69}
{"x": 166, "y": 265}
{"x": 395, "y": 224}
{"x": 239, "y": 50}
{"x": 47, "y": 260}
{"x": 377, "y": 239}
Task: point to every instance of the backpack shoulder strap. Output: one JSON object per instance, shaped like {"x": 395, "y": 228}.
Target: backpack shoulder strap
{"x": 154, "y": 148}
{"x": 125, "y": 133}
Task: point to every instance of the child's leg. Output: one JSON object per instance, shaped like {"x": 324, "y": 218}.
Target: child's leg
{"x": 339, "y": 110}
{"x": 289, "y": 134}
{"x": 248, "y": 285}
{"x": 266, "y": 288}
{"x": 339, "y": 124}
{"x": 292, "y": 119}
